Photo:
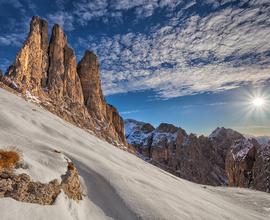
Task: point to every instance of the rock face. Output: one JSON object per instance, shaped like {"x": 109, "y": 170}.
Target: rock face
{"x": 261, "y": 169}
{"x": 107, "y": 115}
{"x": 240, "y": 161}
{"x": 247, "y": 165}
{"x": 206, "y": 160}
{"x": 116, "y": 127}
{"x": 48, "y": 72}
{"x": 71, "y": 183}
{"x": 63, "y": 80}
{"x": 31, "y": 65}
{"x": 138, "y": 134}
{"x": 21, "y": 188}
{"x": 222, "y": 139}
{"x": 88, "y": 70}
{"x": 171, "y": 148}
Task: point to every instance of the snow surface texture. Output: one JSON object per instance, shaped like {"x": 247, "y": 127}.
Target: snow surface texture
{"x": 119, "y": 185}
{"x": 42, "y": 165}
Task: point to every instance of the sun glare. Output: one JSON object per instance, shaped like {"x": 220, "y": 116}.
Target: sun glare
{"x": 258, "y": 102}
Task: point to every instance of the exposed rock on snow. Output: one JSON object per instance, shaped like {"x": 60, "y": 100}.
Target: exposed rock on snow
{"x": 23, "y": 188}
{"x": 71, "y": 183}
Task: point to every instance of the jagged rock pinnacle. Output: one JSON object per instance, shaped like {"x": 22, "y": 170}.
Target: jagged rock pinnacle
{"x": 88, "y": 70}
{"x": 63, "y": 80}
{"x": 31, "y": 64}
{"x": 49, "y": 71}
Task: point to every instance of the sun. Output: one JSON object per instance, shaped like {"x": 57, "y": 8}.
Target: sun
{"x": 258, "y": 102}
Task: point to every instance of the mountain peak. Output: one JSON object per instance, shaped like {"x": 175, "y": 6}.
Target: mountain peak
{"x": 165, "y": 127}
{"x": 30, "y": 67}
{"x": 224, "y": 132}
{"x": 48, "y": 71}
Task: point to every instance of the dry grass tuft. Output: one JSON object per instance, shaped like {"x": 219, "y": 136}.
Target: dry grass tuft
{"x": 9, "y": 159}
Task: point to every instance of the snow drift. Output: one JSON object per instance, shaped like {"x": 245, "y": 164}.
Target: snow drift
{"x": 117, "y": 184}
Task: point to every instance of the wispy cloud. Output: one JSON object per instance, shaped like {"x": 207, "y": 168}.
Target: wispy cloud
{"x": 200, "y": 105}
{"x": 4, "y": 64}
{"x": 17, "y": 32}
{"x": 88, "y": 10}
{"x": 92, "y": 9}
{"x": 15, "y": 3}
{"x": 129, "y": 112}
{"x": 217, "y": 104}
{"x": 13, "y": 39}
{"x": 65, "y": 19}
{"x": 14, "y": 31}
{"x": 219, "y": 51}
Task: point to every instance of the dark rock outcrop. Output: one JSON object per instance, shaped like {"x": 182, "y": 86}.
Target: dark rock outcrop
{"x": 47, "y": 72}
{"x": 240, "y": 161}
{"x": 248, "y": 165}
{"x": 261, "y": 169}
{"x": 226, "y": 157}
{"x": 171, "y": 148}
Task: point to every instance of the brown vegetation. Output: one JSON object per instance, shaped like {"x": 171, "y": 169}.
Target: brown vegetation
{"x": 9, "y": 159}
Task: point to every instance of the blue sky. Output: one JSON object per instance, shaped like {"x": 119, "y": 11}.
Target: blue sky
{"x": 196, "y": 64}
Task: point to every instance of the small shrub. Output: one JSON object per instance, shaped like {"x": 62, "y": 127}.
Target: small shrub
{"x": 9, "y": 159}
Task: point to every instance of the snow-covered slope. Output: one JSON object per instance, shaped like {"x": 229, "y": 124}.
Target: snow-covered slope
{"x": 119, "y": 185}
{"x": 138, "y": 133}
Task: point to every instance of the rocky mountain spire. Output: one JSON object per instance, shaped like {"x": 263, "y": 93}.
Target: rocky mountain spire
{"x": 63, "y": 80}
{"x": 31, "y": 64}
{"x": 48, "y": 70}
{"x": 88, "y": 70}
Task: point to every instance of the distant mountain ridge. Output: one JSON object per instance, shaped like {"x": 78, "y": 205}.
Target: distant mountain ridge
{"x": 262, "y": 140}
{"x": 225, "y": 157}
{"x": 46, "y": 72}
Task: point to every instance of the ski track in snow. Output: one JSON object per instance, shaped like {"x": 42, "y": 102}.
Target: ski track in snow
{"x": 117, "y": 185}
